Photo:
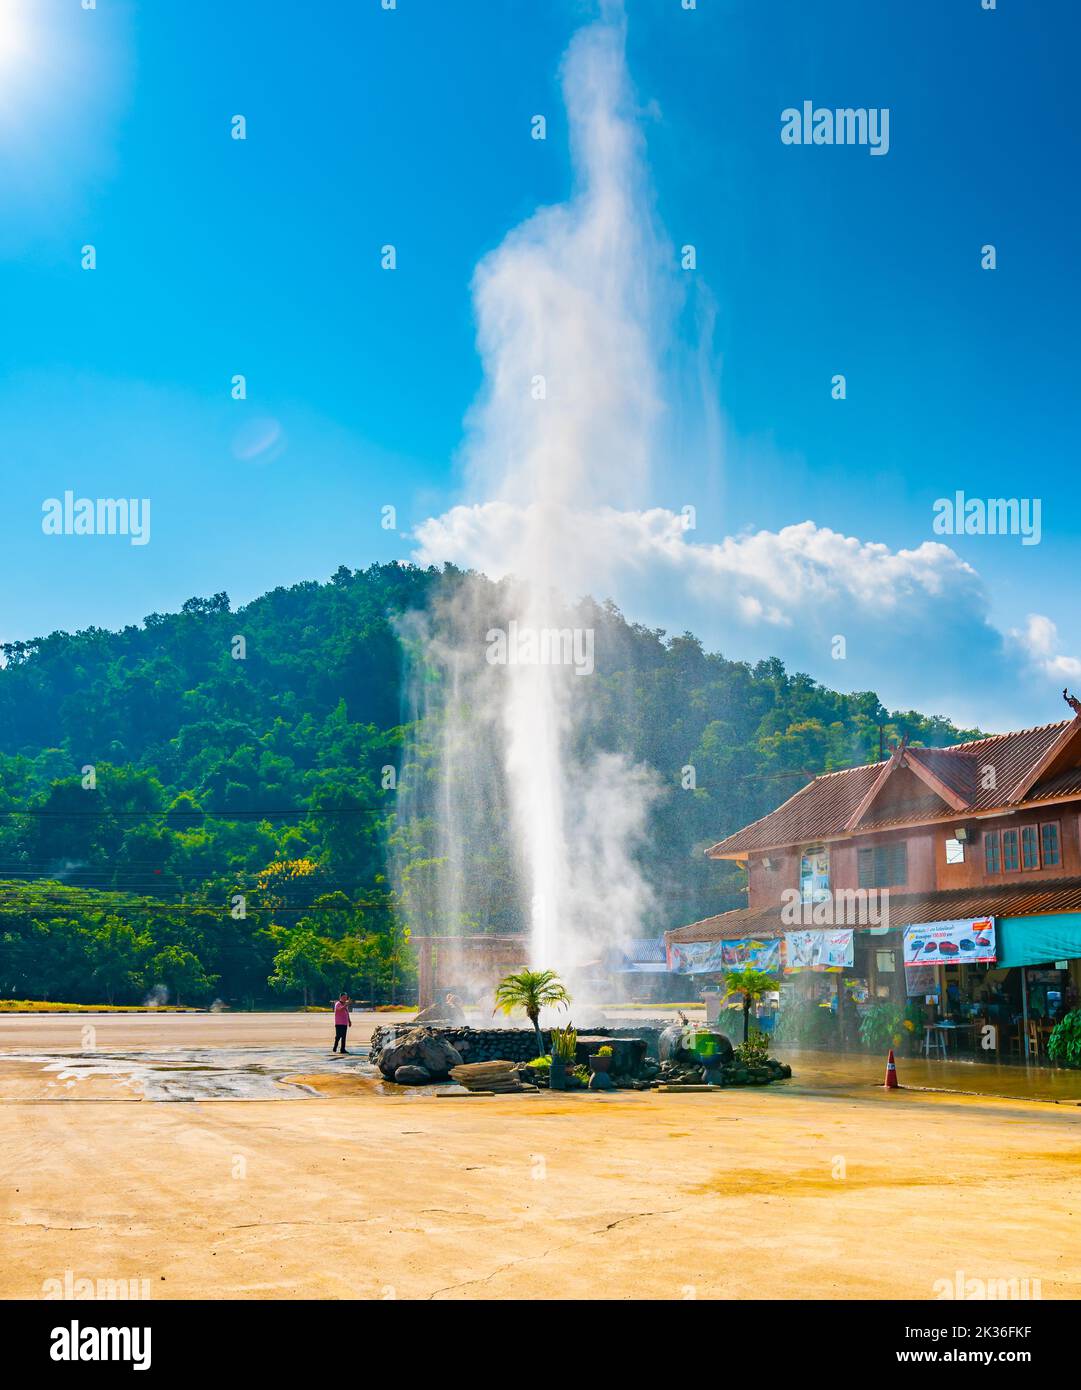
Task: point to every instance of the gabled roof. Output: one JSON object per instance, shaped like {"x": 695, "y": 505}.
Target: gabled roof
{"x": 906, "y": 909}
{"x": 646, "y": 950}
{"x": 1029, "y": 765}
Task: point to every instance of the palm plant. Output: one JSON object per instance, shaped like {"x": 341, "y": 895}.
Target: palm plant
{"x": 753, "y": 985}
{"x": 531, "y": 990}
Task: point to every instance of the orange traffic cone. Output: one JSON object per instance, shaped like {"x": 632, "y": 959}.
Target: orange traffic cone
{"x": 890, "y": 1082}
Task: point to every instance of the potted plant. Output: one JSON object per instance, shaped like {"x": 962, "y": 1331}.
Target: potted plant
{"x": 1064, "y": 1044}
{"x": 564, "y": 1051}
{"x": 599, "y": 1064}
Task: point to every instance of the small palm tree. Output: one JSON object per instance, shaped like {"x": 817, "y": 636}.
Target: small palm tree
{"x": 753, "y": 985}
{"x": 531, "y": 990}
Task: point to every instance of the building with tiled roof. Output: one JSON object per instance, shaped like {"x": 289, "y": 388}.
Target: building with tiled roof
{"x": 985, "y": 830}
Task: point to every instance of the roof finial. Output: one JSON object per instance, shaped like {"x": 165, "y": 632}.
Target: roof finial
{"x": 1072, "y": 700}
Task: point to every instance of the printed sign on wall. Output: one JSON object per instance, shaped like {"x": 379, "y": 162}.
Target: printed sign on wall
{"x": 818, "y": 950}
{"x": 708, "y": 957}
{"x": 969, "y": 942}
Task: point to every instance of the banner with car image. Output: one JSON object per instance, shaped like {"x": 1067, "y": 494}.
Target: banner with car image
{"x": 970, "y": 942}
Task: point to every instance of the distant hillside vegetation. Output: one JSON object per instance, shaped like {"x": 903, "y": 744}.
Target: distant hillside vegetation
{"x": 230, "y": 834}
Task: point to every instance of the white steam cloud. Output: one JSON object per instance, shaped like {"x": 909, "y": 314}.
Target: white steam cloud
{"x": 568, "y": 309}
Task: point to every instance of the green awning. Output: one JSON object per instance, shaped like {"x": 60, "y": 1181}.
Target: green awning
{"x": 1036, "y": 940}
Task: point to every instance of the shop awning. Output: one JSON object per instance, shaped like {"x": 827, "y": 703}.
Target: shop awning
{"x": 1034, "y": 940}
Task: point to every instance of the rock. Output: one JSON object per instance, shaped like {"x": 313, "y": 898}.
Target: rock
{"x": 685, "y": 1043}
{"x": 628, "y": 1054}
{"x": 670, "y": 1042}
{"x": 412, "y": 1076}
{"x": 419, "y": 1048}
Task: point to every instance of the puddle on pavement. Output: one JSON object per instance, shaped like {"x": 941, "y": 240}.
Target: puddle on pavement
{"x": 299, "y": 1073}
{"x": 251, "y": 1073}
{"x": 850, "y": 1073}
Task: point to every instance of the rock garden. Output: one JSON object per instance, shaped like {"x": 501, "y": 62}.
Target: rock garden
{"x": 677, "y": 1056}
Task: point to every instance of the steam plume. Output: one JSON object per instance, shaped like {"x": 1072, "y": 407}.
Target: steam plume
{"x": 567, "y": 310}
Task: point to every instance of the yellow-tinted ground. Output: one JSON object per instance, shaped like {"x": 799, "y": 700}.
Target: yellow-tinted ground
{"x": 781, "y": 1192}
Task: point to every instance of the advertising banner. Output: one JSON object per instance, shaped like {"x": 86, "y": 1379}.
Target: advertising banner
{"x": 824, "y": 951}
{"x": 758, "y": 952}
{"x": 920, "y": 981}
{"x": 694, "y": 957}
{"x": 967, "y": 942}
{"x": 709, "y": 957}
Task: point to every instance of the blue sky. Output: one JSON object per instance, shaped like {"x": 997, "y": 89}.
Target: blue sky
{"x": 261, "y": 257}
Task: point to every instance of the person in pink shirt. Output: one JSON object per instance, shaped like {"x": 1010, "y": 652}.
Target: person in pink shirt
{"x": 342, "y": 1021}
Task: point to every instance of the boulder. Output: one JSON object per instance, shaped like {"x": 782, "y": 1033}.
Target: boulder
{"x": 419, "y": 1048}
{"x": 670, "y": 1042}
{"x": 628, "y": 1054}
{"x": 681, "y": 1042}
{"x": 412, "y": 1076}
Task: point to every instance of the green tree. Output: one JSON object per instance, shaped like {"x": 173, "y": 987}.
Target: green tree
{"x": 532, "y": 990}
{"x": 118, "y": 954}
{"x": 182, "y": 971}
{"x": 750, "y": 985}
{"x": 302, "y": 965}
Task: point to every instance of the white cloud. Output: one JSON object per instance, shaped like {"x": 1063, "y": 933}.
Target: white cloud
{"x": 784, "y": 578}
{"x": 1037, "y": 643}
{"x": 915, "y": 620}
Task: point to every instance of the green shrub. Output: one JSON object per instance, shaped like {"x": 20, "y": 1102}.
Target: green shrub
{"x": 540, "y": 1063}
{"x": 1064, "y": 1044}
{"x": 755, "y": 1051}
{"x": 805, "y": 1023}
{"x": 604, "y": 1051}
{"x": 882, "y": 1026}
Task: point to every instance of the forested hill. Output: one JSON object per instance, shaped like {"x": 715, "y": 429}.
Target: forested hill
{"x": 198, "y": 803}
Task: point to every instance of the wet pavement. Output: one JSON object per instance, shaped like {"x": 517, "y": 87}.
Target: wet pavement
{"x": 283, "y": 1056}
{"x": 194, "y": 1074}
{"x": 845, "y": 1072}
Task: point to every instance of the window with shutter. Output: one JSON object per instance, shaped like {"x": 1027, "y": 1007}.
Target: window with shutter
{"x": 883, "y": 866}
{"x": 1052, "y": 856}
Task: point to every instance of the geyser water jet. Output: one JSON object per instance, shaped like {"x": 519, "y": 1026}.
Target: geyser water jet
{"x": 533, "y": 827}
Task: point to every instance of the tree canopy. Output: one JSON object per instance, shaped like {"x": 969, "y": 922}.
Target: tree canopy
{"x": 206, "y": 803}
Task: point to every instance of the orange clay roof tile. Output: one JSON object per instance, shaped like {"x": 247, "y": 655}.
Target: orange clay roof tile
{"x": 982, "y": 773}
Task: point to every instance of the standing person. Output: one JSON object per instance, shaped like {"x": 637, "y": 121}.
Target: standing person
{"x": 342, "y": 1021}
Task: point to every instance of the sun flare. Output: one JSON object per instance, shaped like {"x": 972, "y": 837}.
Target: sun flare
{"x": 13, "y": 32}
